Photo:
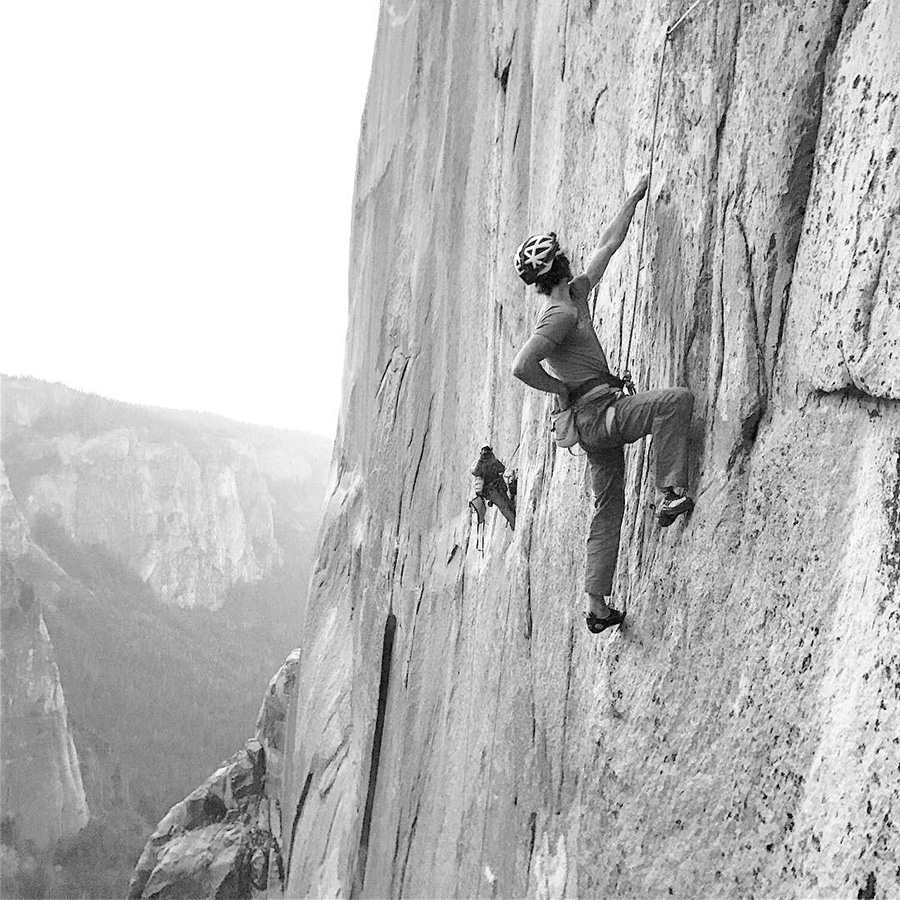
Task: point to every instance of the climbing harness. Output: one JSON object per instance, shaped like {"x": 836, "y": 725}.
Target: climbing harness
{"x": 563, "y": 422}
{"x": 492, "y": 489}
{"x": 670, "y": 31}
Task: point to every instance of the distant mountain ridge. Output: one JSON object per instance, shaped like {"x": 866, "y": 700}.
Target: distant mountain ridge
{"x": 188, "y": 506}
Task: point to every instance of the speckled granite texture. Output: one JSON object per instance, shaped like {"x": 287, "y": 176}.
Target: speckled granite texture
{"x": 739, "y": 737}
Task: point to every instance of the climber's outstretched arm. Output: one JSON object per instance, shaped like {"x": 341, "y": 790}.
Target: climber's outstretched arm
{"x": 612, "y": 238}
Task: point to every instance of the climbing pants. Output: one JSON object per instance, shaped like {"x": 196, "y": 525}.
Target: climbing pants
{"x": 664, "y": 414}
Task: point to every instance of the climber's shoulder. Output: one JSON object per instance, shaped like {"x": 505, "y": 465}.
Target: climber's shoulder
{"x": 558, "y": 317}
{"x": 580, "y": 287}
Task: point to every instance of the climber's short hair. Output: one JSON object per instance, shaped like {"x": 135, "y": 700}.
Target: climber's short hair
{"x": 561, "y": 270}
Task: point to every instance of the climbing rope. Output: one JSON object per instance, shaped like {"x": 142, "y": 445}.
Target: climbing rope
{"x": 680, "y": 21}
{"x": 637, "y": 275}
{"x": 643, "y": 448}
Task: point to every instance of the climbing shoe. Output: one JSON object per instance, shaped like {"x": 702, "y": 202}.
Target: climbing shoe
{"x": 595, "y": 624}
{"x": 672, "y": 508}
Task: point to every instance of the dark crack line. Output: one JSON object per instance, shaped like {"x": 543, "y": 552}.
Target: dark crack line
{"x": 406, "y": 361}
{"x": 384, "y": 372}
{"x": 422, "y": 451}
{"x": 750, "y": 422}
{"x": 808, "y": 145}
{"x": 412, "y": 636}
{"x": 565, "y": 35}
{"x": 565, "y": 723}
{"x": 603, "y": 90}
{"x": 720, "y": 356}
{"x": 387, "y": 651}
{"x": 729, "y": 90}
{"x": 409, "y": 845}
{"x": 297, "y": 813}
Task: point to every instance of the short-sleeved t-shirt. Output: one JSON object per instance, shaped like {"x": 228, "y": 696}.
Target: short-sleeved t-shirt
{"x": 577, "y": 355}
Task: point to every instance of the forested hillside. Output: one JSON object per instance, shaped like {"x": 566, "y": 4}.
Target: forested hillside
{"x": 157, "y": 694}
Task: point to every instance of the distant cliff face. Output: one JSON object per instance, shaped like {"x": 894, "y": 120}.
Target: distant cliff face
{"x": 458, "y": 732}
{"x": 189, "y": 511}
{"x": 43, "y": 794}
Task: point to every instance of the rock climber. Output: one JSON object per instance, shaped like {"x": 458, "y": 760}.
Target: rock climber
{"x": 606, "y": 418}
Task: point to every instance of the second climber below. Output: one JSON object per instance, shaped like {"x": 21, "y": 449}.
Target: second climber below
{"x": 606, "y": 418}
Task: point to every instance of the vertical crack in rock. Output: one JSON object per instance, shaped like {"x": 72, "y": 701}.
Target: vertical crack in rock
{"x": 387, "y": 652}
{"x": 406, "y": 361}
{"x": 751, "y": 284}
{"x": 495, "y": 392}
{"x": 297, "y": 813}
{"x": 393, "y": 868}
{"x": 565, "y": 721}
{"x": 603, "y": 90}
{"x": 533, "y": 713}
{"x": 458, "y": 594}
{"x": 393, "y": 567}
{"x": 502, "y": 77}
{"x": 409, "y": 843}
{"x": 712, "y": 239}
{"x": 528, "y": 613}
{"x": 726, "y": 92}
{"x": 771, "y": 263}
{"x": 412, "y": 635}
{"x": 394, "y": 366}
{"x": 384, "y": 371}
{"x": 799, "y": 184}
{"x": 720, "y": 300}
{"x": 422, "y": 451}
{"x": 565, "y": 35}
{"x": 750, "y": 417}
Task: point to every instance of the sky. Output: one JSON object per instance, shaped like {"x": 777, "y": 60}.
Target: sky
{"x": 176, "y": 184}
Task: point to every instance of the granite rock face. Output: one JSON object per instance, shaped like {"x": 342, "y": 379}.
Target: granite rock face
{"x": 224, "y": 839}
{"x": 188, "y": 511}
{"x": 458, "y": 732}
{"x": 43, "y": 794}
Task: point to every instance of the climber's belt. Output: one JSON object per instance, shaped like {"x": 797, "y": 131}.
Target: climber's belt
{"x": 580, "y": 391}
{"x": 606, "y": 394}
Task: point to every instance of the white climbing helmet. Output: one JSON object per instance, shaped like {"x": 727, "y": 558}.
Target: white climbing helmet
{"x": 535, "y": 256}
